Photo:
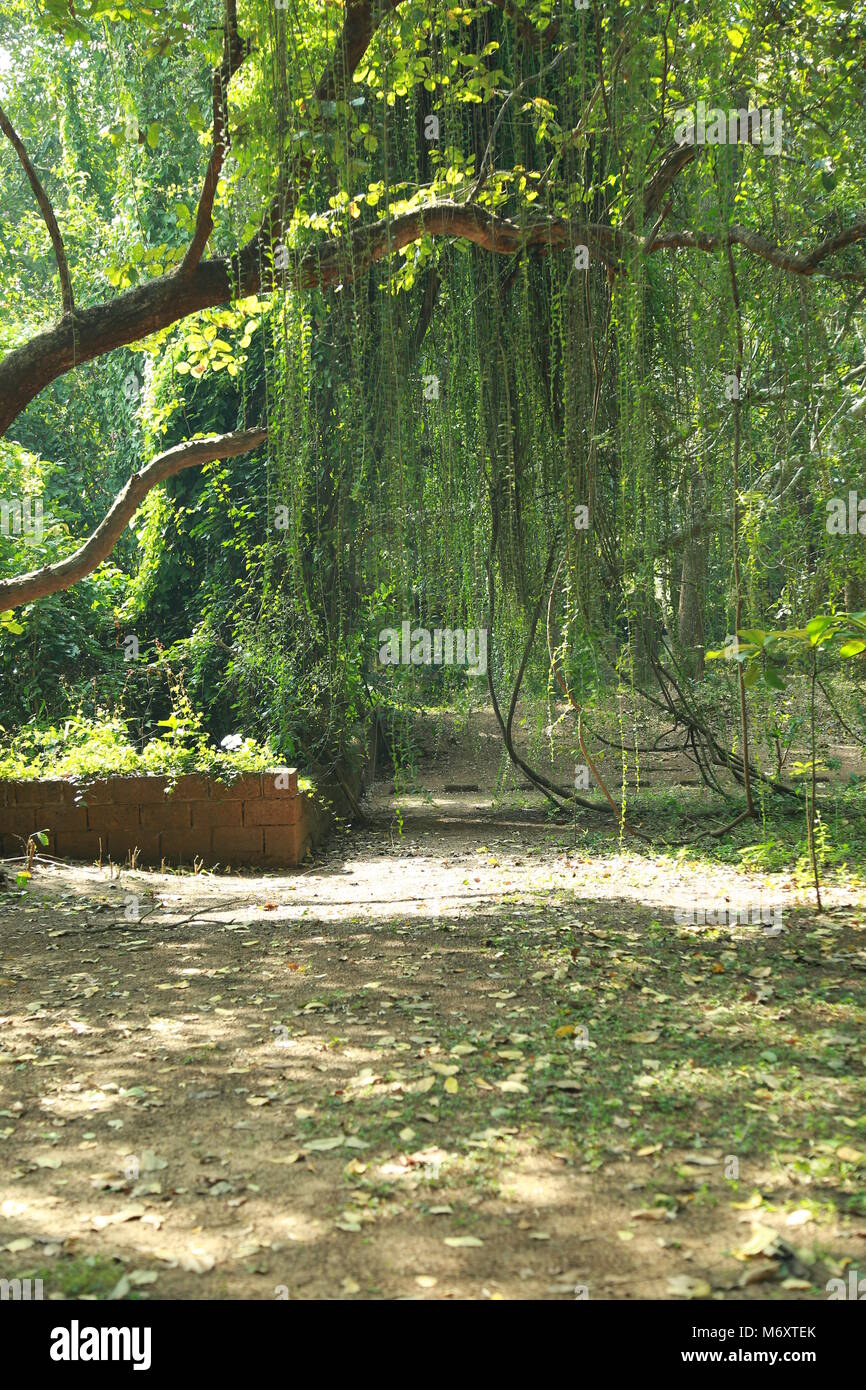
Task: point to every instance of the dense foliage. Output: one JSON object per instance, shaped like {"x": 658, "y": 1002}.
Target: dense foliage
{"x": 597, "y": 346}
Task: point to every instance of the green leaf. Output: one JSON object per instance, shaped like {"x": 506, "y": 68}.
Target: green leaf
{"x": 817, "y": 627}
{"x": 10, "y": 624}
{"x": 752, "y": 676}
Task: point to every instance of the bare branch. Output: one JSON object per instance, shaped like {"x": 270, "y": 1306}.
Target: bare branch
{"x": 46, "y": 209}
{"x": 63, "y": 574}
{"x": 234, "y": 52}
{"x": 515, "y": 92}
{"x": 795, "y": 262}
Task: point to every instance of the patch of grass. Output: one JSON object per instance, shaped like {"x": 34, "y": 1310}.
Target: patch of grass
{"x": 94, "y": 1275}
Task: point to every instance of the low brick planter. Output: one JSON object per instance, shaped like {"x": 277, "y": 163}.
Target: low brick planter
{"x": 258, "y": 820}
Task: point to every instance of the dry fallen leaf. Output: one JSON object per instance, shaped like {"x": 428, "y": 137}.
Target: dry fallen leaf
{"x": 758, "y": 1273}
{"x": 116, "y": 1218}
{"x": 196, "y": 1261}
{"x": 799, "y": 1217}
{"x": 762, "y": 1239}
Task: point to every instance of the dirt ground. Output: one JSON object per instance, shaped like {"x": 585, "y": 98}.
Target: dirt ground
{"x": 466, "y": 1053}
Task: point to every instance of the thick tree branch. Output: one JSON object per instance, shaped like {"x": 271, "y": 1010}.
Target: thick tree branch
{"x": 63, "y": 574}
{"x": 162, "y": 302}
{"x": 45, "y": 208}
{"x": 234, "y": 52}
{"x": 362, "y": 19}
{"x": 677, "y": 157}
{"x": 343, "y": 260}
{"x": 94, "y": 331}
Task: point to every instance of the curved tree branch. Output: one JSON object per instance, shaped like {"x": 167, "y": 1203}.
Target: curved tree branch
{"x": 795, "y": 262}
{"x": 45, "y": 208}
{"x": 199, "y": 284}
{"x": 63, "y": 574}
{"x": 25, "y": 371}
{"x": 343, "y": 260}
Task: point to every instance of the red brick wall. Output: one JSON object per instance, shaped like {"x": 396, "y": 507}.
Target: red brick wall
{"x": 260, "y": 819}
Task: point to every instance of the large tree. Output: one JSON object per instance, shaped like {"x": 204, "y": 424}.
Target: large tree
{"x": 300, "y": 98}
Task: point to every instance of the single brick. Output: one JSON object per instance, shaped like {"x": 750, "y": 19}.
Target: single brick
{"x": 286, "y": 845}
{"x": 283, "y": 781}
{"x": 17, "y": 820}
{"x": 108, "y": 818}
{"x": 166, "y": 815}
{"x": 232, "y": 846}
{"x": 209, "y": 813}
{"x": 53, "y": 793}
{"x": 248, "y": 786}
{"x": 193, "y": 786}
{"x": 140, "y": 791}
{"x": 61, "y": 818}
{"x": 285, "y": 811}
{"x": 122, "y": 791}
{"x": 101, "y": 792}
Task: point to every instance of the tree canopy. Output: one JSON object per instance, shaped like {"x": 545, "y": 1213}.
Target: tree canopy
{"x": 472, "y": 295}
